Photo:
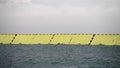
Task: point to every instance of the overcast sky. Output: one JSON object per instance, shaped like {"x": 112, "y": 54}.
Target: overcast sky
{"x": 59, "y": 16}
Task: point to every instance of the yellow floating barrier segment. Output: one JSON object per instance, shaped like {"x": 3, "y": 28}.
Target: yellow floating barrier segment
{"x": 83, "y": 39}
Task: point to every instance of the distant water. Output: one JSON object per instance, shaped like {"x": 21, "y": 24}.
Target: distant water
{"x": 59, "y": 56}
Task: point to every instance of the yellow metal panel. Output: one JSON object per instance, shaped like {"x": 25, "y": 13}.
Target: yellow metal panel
{"x": 42, "y": 39}
{"x": 6, "y": 39}
{"x": 61, "y": 39}
{"x": 23, "y": 39}
{"x": 32, "y": 39}
{"x": 81, "y": 39}
{"x": 2, "y": 38}
{"x": 106, "y": 40}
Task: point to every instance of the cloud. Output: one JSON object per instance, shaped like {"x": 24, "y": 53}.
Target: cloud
{"x": 61, "y": 16}
{"x": 14, "y": 1}
{"x": 63, "y": 8}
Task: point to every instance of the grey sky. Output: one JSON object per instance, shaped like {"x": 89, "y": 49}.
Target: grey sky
{"x": 59, "y": 16}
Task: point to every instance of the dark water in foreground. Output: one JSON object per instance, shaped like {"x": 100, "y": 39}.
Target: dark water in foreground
{"x": 59, "y": 56}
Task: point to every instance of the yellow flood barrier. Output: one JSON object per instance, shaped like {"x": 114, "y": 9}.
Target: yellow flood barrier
{"x": 6, "y": 39}
{"x": 71, "y": 39}
{"x": 81, "y": 39}
{"x": 32, "y": 39}
{"x": 106, "y": 39}
{"x": 84, "y": 39}
{"x": 61, "y": 39}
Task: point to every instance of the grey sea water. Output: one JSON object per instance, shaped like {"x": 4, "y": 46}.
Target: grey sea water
{"x": 59, "y": 56}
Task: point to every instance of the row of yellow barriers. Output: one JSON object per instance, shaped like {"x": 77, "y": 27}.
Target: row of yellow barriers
{"x": 84, "y": 39}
